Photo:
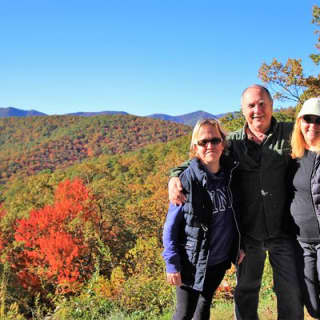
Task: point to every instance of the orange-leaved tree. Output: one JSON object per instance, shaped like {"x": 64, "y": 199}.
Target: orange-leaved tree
{"x": 53, "y": 252}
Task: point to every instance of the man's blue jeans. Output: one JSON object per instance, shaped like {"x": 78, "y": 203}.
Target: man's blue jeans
{"x": 285, "y": 277}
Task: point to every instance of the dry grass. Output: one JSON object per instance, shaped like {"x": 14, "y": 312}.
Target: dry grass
{"x": 267, "y": 311}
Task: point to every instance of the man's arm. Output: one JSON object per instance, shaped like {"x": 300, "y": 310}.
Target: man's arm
{"x": 175, "y": 189}
{"x": 175, "y": 172}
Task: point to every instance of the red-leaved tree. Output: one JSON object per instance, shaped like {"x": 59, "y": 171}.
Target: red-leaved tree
{"x": 53, "y": 252}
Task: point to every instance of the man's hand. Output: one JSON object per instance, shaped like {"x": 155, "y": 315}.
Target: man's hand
{"x": 174, "y": 278}
{"x": 176, "y": 195}
{"x": 241, "y": 256}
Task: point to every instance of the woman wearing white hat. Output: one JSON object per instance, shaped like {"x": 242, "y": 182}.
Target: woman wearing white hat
{"x": 305, "y": 205}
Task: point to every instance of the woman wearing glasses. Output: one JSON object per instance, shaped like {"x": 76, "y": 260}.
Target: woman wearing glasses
{"x": 305, "y": 204}
{"x": 201, "y": 237}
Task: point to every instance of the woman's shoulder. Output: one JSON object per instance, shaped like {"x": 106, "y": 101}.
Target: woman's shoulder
{"x": 192, "y": 173}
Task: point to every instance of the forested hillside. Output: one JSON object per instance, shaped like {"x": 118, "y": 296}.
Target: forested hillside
{"x": 30, "y": 145}
{"x": 86, "y": 239}
{"x": 97, "y": 221}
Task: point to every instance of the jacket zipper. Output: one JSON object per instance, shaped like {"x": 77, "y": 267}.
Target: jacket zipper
{"x": 313, "y": 204}
{"x": 233, "y": 212}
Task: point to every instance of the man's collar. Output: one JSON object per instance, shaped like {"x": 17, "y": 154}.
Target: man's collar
{"x": 259, "y": 137}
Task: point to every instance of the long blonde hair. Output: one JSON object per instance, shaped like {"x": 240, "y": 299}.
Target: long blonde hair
{"x": 298, "y": 144}
{"x": 195, "y": 134}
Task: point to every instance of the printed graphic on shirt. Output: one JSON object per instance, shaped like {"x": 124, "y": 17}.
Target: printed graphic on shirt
{"x": 220, "y": 200}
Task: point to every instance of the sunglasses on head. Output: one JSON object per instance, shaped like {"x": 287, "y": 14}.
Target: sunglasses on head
{"x": 311, "y": 119}
{"x": 204, "y": 142}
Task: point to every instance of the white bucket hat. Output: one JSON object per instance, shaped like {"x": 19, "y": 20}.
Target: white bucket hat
{"x": 310, "y": 106}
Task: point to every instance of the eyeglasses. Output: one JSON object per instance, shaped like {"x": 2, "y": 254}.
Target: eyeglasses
{"x": 311, "y": 119}
{"x": 204, "y": 142}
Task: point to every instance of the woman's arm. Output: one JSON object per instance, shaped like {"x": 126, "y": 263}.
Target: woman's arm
{"x": 171, "y": 239}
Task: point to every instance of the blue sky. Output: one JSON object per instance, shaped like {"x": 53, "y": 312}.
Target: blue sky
{"x": 145, "y": 56}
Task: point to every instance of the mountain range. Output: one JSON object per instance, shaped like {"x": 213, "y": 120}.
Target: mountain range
{"x": 14, "y": 112}
{"x": 187, "y": 119}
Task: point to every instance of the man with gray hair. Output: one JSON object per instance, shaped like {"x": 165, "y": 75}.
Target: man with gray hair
{"x": 262, "y": 148}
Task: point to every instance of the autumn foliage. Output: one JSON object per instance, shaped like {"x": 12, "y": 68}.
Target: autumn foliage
{"x": 93, "y": 241}
{"x": 31, "y": 145}
{"x": 52, "y": 249}
{"x": 3, "y": 240}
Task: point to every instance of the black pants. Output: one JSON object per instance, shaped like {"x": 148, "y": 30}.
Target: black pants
{"x": 193, "y": 304}
{"x": 283, "y": 261}
{"x": 309, "y": 267}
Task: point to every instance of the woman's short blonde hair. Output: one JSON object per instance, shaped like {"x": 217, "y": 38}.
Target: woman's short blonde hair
{"x": 195, "y": 134}
{"x": 298, "y": 144}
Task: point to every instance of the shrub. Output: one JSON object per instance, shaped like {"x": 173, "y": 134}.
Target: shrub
{"x": 146, "y": 289}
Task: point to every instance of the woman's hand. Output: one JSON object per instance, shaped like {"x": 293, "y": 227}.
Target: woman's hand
{"x": 176, "y": 195}
{"x": 174, "y": 279}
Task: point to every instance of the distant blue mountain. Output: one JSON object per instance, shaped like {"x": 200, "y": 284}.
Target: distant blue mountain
{"x": 14, "y": 112}
{"x": 90, "y": 114}
{"x": 188, "y": 119}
